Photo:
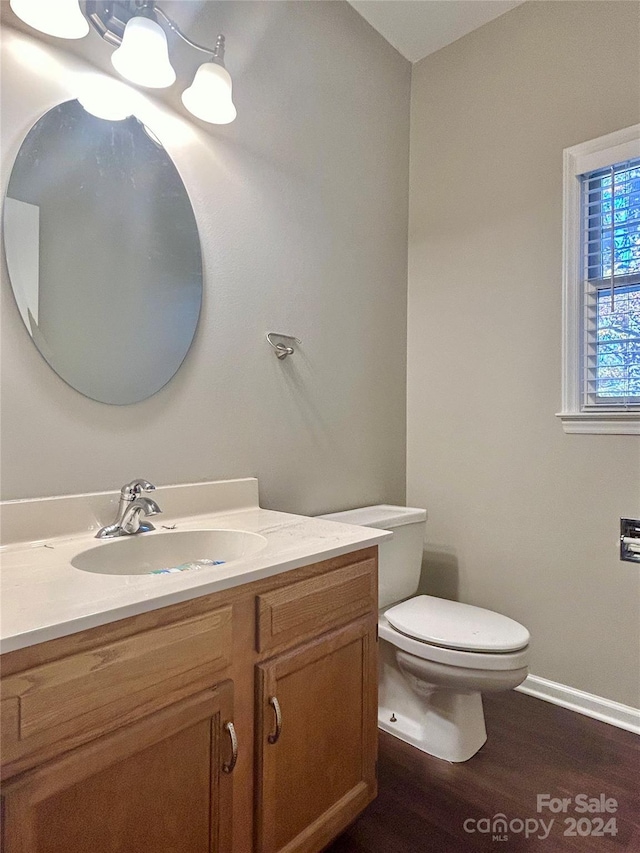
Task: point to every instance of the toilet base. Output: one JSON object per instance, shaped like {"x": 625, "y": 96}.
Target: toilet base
{"x": 438, "y": 706}
{"x": 449, "y": 726}
{"x": 443, "y": 720}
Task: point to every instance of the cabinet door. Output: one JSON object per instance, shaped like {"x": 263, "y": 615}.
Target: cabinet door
{"x": 157, "y": 786}
{"x": 317, "y": 739}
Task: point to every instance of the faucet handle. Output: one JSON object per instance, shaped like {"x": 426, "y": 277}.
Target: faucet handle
{"x": 132, "y": 490}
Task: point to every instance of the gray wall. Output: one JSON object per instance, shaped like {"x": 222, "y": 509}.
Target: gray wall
{"x": 522, "y": 518}
{"x": 302, "y": 209}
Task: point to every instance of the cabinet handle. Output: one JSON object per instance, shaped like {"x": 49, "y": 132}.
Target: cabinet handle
{"x": 228, "y": 768}
{"x": 273, "y": 701}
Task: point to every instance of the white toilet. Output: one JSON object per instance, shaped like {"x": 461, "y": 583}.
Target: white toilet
{"x": 436, "y": 656}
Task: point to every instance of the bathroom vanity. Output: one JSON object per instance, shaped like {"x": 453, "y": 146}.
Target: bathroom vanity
{"x": 227, "y": 709}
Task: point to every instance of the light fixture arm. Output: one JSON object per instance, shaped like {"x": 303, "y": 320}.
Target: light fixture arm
{"x": 217, "y": 54}
{"x": 110, "y": 19}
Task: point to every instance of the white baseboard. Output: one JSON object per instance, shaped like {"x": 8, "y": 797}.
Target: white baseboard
{"x": 614, "y": 713}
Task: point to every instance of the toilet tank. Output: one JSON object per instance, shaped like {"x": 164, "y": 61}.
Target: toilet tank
{"x": 400, "y": 558}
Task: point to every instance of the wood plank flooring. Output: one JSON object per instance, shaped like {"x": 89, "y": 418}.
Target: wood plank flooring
{"x": 533, "y": 748}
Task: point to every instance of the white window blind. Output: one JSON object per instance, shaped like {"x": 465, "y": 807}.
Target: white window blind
{"x": 610, "y": 205}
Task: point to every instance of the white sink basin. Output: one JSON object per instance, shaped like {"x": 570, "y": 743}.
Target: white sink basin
{"x": 169, "y": 553}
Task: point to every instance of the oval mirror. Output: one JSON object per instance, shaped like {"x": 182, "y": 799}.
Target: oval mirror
{"x": 103, "y": 253}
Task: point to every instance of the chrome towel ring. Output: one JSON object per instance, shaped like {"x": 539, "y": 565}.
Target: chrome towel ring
{"x": 282, "y": 350}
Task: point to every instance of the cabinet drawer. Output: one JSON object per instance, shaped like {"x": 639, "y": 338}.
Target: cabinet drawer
{"x": 95, "y": 690}
{"x": 309, "y": 607}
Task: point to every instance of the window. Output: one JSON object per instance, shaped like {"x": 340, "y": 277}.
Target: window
{"x": 601, "y": 305}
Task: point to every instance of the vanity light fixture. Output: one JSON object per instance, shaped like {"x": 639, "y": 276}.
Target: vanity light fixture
{"x": 209, "y": 96}
{"x": 135, "y": 28}
{"x": 143, "y": 56}
{"x": 62, "y": 19}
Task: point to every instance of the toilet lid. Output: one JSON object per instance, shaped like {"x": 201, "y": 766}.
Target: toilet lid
{"x": 457, "y": 626}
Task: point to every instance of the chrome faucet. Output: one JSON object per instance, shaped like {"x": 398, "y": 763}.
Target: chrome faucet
{"x": 132, "y": 505}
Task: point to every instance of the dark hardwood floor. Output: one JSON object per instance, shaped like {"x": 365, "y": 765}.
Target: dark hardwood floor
{"x": 533, "y": 748}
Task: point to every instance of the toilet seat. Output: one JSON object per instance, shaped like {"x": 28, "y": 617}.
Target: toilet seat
{"x": 452, "y": 657}
{"x": 454, "y": 625}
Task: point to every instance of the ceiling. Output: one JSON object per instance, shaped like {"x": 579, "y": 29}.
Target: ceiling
{"x": 417, "y": 28}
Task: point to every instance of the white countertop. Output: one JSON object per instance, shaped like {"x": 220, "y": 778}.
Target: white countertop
{"x": 44, "y": 597}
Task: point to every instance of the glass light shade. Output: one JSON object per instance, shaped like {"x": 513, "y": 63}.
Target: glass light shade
{"x": 143, "y": 56}
{"x": 209, "y": 96}
{"x": 61, "y": 18}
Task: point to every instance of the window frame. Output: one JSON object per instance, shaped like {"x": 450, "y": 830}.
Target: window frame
{"x": 577, "y": 161}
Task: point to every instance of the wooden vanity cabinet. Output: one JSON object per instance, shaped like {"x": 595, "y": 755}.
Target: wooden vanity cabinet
{"x": 117, "y": 739}
{"x": 156, "y": 785}
{"x": 317, "y": 731}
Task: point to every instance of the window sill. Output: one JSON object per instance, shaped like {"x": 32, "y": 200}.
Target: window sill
{"x": 601, "y": 423}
